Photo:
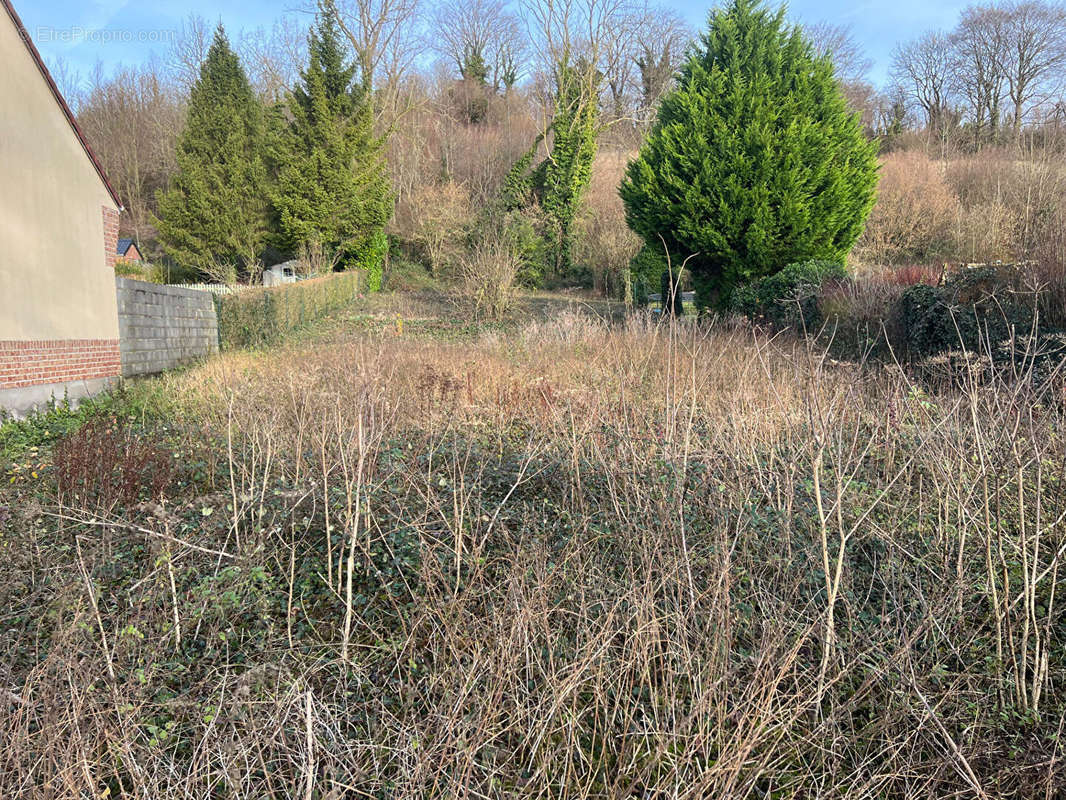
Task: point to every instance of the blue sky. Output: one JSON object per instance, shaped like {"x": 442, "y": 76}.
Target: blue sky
{"x": 84, "y": 32}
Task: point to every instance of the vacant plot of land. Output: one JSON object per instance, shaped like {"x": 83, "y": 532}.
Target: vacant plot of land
{"x": 566, "y": 557}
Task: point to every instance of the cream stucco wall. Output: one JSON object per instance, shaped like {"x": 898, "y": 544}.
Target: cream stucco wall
{"x": 54, "y": 280}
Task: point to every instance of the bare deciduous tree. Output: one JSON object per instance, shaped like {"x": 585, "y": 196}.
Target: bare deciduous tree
{"x": 891, "y": 112}
{"x": 1035, "y": 55}
{"x": 850, "y": 61}
{"x": 273, "y": 57}
{"x": 570, "y": 39}
{"x": 485, "y": 30}
{"x": 384, "y": 37}
{"x": 662, "y": 39}
{"x": 851, "y": 66}
{"x": 69, "y": 80}
{"x": 133, "y": 119}
{"x": 641, "y": 52}
{"x": 923, "y": 69}
{"x": 188, "y": 50}
{"x": 978, "y": 47}
{"x": 1004, "y": 63}
{"x": 618, "y": 63}
{"x": 568, "y": 32}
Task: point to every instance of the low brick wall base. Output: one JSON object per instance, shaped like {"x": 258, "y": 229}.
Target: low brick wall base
{"x": 38, "y": 362}
{"x": 34, "y": 372}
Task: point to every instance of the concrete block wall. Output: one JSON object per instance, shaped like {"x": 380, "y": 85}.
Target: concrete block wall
{"x": 161, "y": 327}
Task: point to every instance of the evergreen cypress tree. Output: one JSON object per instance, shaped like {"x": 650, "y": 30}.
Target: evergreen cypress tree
{"x": 754, "y": 160}
{"x": 215, "y": 208}
{"x": 333, "y": 191}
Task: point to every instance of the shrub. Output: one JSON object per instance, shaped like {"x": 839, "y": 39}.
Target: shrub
{"x": 981, "y": 179}
{"x": 1041, "y": 205}
{"x": 427, "y": 146}
{"x": 371, "y": 261}
{"x": 105, "y": 465}
{"x": 153, "y": 273}
{"x": 408, "y": 275}
{"x": 911, "y": 275}
{"x": 262, "y": 316}
{"x": 224, "y": 272}
{"x": 525, "y": 230}
{"x": 130, "y": 269}
{"x": 859, "y": 315}
{"x": 437, "y": 219}
{"x": 169, "y": 272}
{"x": 976, "y": 310}
{"x": 789, "y": 297}
{"x": 915, "y": 213}
{"x": 987, "y": 232}
{"x": 645, "y": 269}
{"x": 754, "y": 160}
{"x": 1013, "y": 207}
{"x": 987, "y": 307}
{"x": 488, "y": 275}
{"x": 920, "y": 314}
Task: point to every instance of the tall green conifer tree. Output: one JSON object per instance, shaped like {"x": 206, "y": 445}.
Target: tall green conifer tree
{"x": 333, "y": 190}
{"x": 754, "y": 160}
{"x": 215, "y": 207}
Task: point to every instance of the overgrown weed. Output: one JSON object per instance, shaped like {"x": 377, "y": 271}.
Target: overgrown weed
{"x": 583, "y": 560}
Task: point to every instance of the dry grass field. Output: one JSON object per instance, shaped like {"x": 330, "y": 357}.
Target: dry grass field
{"x": 573, "y": 556}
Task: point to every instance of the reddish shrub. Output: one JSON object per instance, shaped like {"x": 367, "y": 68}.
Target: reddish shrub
{"x": 105, "y": 465}
{"x": 912, "y": 275}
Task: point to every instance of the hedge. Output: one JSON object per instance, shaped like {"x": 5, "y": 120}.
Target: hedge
{"x": 263, "y": 316}
{"x": 982, "y": 310}
{"x": 975, "y": 310}
{"x": 788, "y": 297}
